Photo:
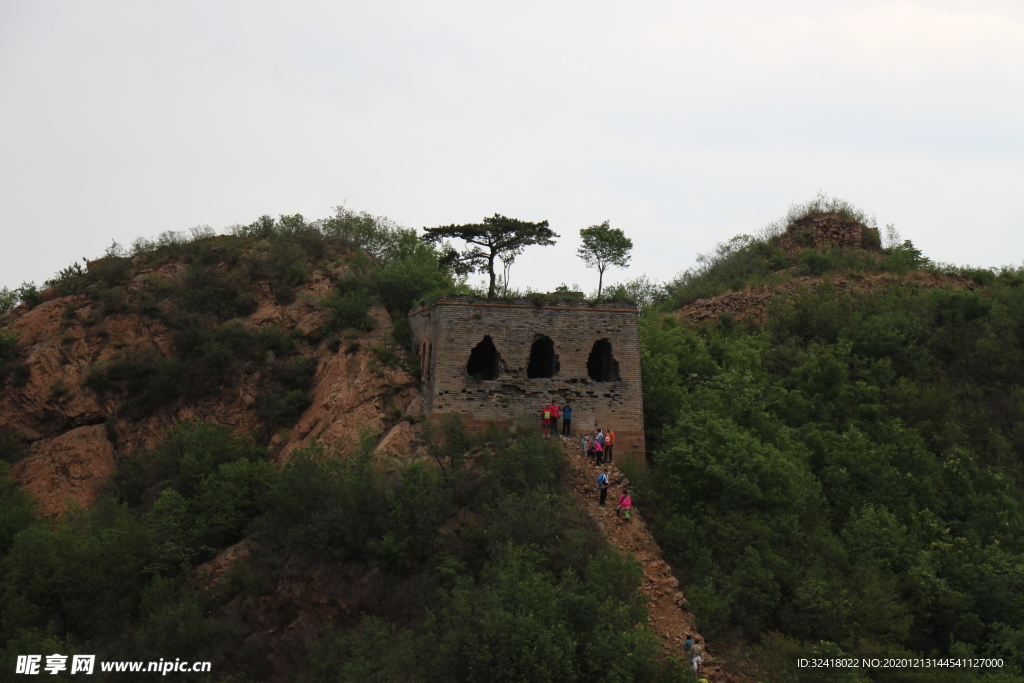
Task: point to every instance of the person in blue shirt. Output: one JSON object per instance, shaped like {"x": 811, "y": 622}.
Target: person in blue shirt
{"x": 566, "y": 418}
{"x": 602, "y": 485}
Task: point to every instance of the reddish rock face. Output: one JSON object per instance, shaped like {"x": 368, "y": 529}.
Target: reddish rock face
{"x": 75, "y": 438}
{"x": 65, "y": 469}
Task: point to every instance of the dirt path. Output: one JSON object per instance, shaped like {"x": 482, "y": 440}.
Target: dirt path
{"x": 667, "y": 614}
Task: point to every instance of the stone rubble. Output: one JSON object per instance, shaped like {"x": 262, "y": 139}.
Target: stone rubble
{"x": 667, "y": 615}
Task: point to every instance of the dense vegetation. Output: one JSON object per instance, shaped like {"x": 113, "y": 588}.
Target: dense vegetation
{"x": 846, "y": 477}
{"x": 490, "y": 572}
{"x": 213, "y": 283}
{"x": 849, "y": 472}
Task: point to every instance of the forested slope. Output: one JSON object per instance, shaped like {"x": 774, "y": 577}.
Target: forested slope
{"x": 850, "y": 469}
{"x": 840, "y": 471}
{"x": 198, "y": 430}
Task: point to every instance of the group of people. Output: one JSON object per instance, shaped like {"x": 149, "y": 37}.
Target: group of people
{"x": 550, "y": 416}
{"x": 556, "y": 419}
{"x": 599, "y": 446}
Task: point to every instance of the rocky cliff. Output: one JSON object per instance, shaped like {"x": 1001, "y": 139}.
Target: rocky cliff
{"x": 74, "y": 434}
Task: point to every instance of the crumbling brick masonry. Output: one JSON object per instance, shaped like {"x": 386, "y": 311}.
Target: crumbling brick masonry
{"x": 505, "y": 360}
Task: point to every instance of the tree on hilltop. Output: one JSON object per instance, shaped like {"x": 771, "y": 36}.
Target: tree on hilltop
{"x": 604, "y": 246}
{"x": 497, "y": 237}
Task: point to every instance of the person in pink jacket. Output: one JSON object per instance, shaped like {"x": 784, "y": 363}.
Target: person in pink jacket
{"x": 625, "y": 504}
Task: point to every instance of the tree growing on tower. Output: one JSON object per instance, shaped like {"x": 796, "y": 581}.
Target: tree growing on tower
{"x": 496, "y": 238}
{"x": 604, "y": 246}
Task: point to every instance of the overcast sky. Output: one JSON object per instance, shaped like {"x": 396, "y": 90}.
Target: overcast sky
{"x": 682, "y": 123}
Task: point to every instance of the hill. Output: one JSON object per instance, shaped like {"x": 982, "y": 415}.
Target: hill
{"x": 278, "y": 329}
{"x": 837, "y": 452}
{"x": 216, "y": 455}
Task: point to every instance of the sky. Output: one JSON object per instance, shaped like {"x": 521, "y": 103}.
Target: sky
{"x": 681, "y": 123}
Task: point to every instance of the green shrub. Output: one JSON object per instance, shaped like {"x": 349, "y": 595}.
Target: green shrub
{"x": 153, "y": 297}
{"x": 17, "y": 508}
{"x": 871, "y": 238}
{"x": 348, "y": 308}
{"x": 175, "y": 624}
{"x": 29, "y": 295}
{"x": 201, "y": 489}
{"x": 12, "y": 446}
{"x": 8, "y": 300}
{"x": 70, "y": 280}
{"x": 9, "y": 351}
{"x": 205, "y": 360}
{"x": 191, "y": 454}
{"x": 84, "y": 574}
{"x": 111, "y": 270}
{"x": 410, "y": 275}
{"x": 112, "y": 300}
{"x": 905, "y": 257}
{"x": 285, "y": 266}
{"x": 328, "y": 505}
{"x": 524, "y": 624}
{"x": 814, "y": 262}
{"x": 530, "y": 463}
{"x": 284, "y": 396}
{"x": 206, "y": 289}
{"x": 377, "y": 651}
{"x": 282, "y": 408}
{"x": 147, "y": 379}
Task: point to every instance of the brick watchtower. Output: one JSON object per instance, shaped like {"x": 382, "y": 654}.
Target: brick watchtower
{"x": 506, "y": 359}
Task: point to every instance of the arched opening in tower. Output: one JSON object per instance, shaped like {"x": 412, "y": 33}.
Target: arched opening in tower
{"x": 484, "y": 360}
{"x": 543, "y": 360}
{"x": 601, "y": 365}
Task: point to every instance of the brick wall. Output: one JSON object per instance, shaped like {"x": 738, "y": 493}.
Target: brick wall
{"x": 446, "y": 332}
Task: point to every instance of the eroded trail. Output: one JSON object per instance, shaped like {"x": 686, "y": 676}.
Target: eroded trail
{"x": 667, "y": 614}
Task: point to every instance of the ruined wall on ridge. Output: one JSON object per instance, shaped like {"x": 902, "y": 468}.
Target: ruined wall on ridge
{"x": 826, "y": 231}
{"x": 592, "y": 354}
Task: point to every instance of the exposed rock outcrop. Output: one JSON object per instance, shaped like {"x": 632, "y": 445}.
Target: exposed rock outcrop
{"x": 75, "y": 438}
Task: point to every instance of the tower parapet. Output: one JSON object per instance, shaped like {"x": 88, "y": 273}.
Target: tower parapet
{"x": 506, "y": 359}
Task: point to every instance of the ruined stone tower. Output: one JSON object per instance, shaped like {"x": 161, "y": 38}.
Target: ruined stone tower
{"x": 505, "y": 360}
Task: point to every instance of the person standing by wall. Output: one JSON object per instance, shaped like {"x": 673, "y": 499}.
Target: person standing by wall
{"x": 609, "y": 443}
{"x": 566, "y": 419}
{"x": 545, "y": 420}
{"x": 599, "y": 438}
{"x": 556, "y": 413}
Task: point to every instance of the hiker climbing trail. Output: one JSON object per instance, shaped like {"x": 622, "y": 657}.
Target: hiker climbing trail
{"x": 666, "y": 609}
